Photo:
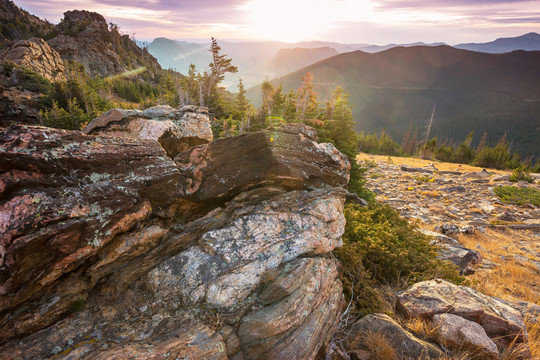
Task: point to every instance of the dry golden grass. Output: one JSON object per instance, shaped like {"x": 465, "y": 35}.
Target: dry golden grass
{"x": 509, "y": 279}
{"x": 422, "y": 328}
{"x": 432, "y": 194}
{"x": 415, "y": 162}
{"x": 378, "y": 345}
{"x": 533, "y": 329}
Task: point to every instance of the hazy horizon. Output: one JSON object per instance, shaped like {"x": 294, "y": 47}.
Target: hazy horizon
{"x": 377, "y": 22}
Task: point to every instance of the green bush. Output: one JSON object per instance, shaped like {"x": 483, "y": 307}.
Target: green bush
{"x": 519, "y": 196}
{"x": 444, "y": 153}
{"x": 380, "y": 247}
{"x": 357, "y": 183}
{"x": 72, "y": 119}
{"x": 521, "y": 173}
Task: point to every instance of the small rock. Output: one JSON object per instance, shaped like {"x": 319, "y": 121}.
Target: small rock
{"x": 458, "y": 334}
{"x": 405, "y": 344}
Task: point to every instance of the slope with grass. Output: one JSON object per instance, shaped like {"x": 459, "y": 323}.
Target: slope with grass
{"x": 441, "y": 197}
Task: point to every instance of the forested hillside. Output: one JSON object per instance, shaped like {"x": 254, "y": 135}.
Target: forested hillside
{"x": 398, "y": 88}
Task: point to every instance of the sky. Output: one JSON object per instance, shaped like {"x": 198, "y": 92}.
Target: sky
{"x": 345, "y": 21}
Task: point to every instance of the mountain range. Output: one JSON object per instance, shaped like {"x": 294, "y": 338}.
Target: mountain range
{"x": 398, "y": 88}
{"x": 256, "y": 61}
{"x": 530, "y": 41}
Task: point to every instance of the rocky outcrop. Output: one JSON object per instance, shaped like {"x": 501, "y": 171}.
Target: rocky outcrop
{"x": 216, "y": 172}
{"x": 176, "y": 130}
{"x": 86, "y": 39}
{"x": 35, "y": 54}
{"x": 98, "y": 230}
{"x": 428, "y": 298}
{"x": 65, "y": 196}
{"x": 405, "y": 344}
{"x": 459, "y": 334}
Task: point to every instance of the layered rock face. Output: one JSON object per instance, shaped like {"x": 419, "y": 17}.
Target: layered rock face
{"x": 35, "y": 54}
{"x": 105, "y": 224}
{"x": 286, "y": 158}
{"x": 176, "y": 130}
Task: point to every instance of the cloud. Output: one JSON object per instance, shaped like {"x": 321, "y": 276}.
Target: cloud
{"x": 373, "y": 21}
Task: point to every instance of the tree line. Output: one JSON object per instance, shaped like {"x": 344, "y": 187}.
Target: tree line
{"x": 499, "y": 156}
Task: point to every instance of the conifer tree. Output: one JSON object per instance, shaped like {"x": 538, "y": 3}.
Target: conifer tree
{"x": 306, "y": 99}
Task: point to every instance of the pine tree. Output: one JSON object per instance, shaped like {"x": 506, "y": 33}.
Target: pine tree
{"x": 306, "y": 99}
{"x": 340, "y": 123}
{"x": 241, "y": 103}
{"x": 219, "y": 66}
{"x": 482, "y": 143}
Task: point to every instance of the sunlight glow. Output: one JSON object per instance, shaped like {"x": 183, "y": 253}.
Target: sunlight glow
{"x": 298, "y": 20}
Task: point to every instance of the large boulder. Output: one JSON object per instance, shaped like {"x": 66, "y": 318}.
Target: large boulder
{"x": 219, "y": 171}
{"x": 459, "y": 334}
{"x": 35, "y": 54}
{"x": 176, "y": 130}
{"x": 428, "y": 298}
{"x": 63, "y": 197}
{"x": 405, "y": 344}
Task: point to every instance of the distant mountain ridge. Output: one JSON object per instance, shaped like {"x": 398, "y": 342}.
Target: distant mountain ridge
{"x": 528, "y": 42}
{"x": 256, "y": 60}
{"x": 395, "y": 88}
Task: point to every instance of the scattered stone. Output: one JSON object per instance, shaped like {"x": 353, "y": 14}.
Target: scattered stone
{"x": 428, "y": 298}
{"x": 449, "y": 229}
{"x": 439, "y": 237}
{"x": 459, "y": 334}
{"x": 457, "y": 188}
{"x": 427, "y": 170}
{"x": 463, "y": 258}
{"x": 352, "y": 197}
{"x": 506, "y": 216}
{"x": 501, "y": 178}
